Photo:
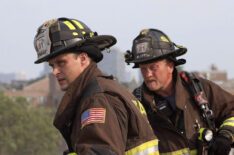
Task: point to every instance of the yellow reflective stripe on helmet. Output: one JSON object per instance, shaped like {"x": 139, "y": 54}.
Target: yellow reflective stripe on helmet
{"x": 69, "y": 25}
{"x": 78, "y": 24}
{"x": 148, "y": 148}
{"x": 185, "y": 151}
{"x": 164, "y": 39}
{"x": 229, "y": 121}
{"x": 75, "y": 34}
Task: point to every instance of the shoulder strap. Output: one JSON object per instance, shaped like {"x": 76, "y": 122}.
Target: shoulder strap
{"x": 194, "y": 83}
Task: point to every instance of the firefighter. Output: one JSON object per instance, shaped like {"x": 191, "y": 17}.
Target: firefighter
{"x": 97, "y": 115}
{"x": 183, "y": 123}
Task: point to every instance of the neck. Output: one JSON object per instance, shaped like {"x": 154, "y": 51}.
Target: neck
{"x": 167, "y": 89}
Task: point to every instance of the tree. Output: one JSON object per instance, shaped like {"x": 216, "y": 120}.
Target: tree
{"x": 25, "y": 129}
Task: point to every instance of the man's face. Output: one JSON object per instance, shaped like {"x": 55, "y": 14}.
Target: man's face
{"x": 157, "y": 75}
{"x": 66, "y": 68}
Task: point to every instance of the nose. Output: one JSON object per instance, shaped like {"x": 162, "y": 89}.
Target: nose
{"x": 55, "y": 71}
{"x": 147, "y": 73}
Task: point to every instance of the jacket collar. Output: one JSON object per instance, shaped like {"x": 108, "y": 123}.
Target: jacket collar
{"x": 70, "y": 100}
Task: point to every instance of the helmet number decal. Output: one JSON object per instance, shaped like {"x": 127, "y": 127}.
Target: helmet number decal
{"x": 142, "y": 50}
{"x": 42, "y": 42}
{"x": 142, "y": 47}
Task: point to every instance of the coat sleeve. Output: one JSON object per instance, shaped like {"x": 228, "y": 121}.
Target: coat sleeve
{"x": 102, "y": 126}
{"x": 222, "y": 104}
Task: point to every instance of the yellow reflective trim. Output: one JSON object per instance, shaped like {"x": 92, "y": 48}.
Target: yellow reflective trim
{"x": 78, "y": 24}
{"x": 135, "y": 102}
{"x": 69, "y": 25}
{"x": 229, "y": 119}
{"x": 200, "y": 134}
{"x": 193, "y": 152}
{"x": 139, "y": 106}
{"x": 142, "y": 109}
{"x": 164, "y": 39}
{"x": 75, "y": 34}
{"x": 144, "y": 146}
{"x": 229, "y": 124}
{"x": 91, "y": 34}
{"x": 179, "y": 152}
{"x": 154, "y": 153}
{"x": 73, "y": 153}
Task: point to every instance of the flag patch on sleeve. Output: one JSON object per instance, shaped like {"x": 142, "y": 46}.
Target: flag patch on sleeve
{"x": 93, "y": 115}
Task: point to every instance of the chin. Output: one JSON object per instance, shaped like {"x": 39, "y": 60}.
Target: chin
{"x": 152, "y": 87}
{"x": 64, "y": 88}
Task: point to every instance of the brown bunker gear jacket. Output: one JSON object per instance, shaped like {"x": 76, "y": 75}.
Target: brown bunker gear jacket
{"x": 180, "y": 137}
{"x": 99, "y": 116}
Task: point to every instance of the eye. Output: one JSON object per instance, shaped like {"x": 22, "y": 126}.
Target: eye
{"x": 61, "y": 63}
{"x": 154, "y": 67}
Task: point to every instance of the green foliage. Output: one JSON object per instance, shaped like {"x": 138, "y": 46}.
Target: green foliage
{"x": 25, "y": 129}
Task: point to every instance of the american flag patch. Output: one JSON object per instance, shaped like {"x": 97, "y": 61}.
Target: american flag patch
{"x": 94, "y": 115}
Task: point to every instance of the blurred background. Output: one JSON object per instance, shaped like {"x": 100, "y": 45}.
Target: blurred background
{"x": 204, "y": 27}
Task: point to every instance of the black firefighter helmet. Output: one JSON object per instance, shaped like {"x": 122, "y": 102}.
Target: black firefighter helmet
{"x": 152, "y": 45}
{"x": 58, "y": 36}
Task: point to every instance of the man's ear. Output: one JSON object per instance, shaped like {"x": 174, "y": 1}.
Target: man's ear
{"x": 84, "y": 58}
{"x": 171, "y": 66}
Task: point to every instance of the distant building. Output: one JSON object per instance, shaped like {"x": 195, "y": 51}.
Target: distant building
{"x": 21, "y": 76}
{"x": 10, "y": 77}
{"x": 214, "y": 75}
{"x": 46, "y": 69}
{"x": 113, "y": 63}
{"x": 218, "y": 77}
{"x": 228, "y": 86}
{"x": 44, "y": 90}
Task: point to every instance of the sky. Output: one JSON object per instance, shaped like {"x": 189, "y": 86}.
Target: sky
{"x": 205, "y": 27}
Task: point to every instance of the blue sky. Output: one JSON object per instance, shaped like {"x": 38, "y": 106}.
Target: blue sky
{"x": 206, "y": 28}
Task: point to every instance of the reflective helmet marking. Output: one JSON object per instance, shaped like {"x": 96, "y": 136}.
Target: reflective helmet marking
{"x": 69, "y": 25}
{"x": 78, "y": 24}
{"x": 164, "y": 39}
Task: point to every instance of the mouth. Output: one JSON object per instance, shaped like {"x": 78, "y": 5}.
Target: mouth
{"x": 61, "y": 80}
{"x": 150, "y": 80}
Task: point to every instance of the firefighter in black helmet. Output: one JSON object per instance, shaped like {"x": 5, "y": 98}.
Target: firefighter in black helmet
{"x": 97, "y": 115}
{"x": 189, "y": 115}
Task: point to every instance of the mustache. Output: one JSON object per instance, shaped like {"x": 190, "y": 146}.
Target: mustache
{"x": 150, "y": 79}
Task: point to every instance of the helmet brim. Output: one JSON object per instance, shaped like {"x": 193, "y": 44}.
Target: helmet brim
{"x": 176, "y": 53}
{"x": 103, "y": 42}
